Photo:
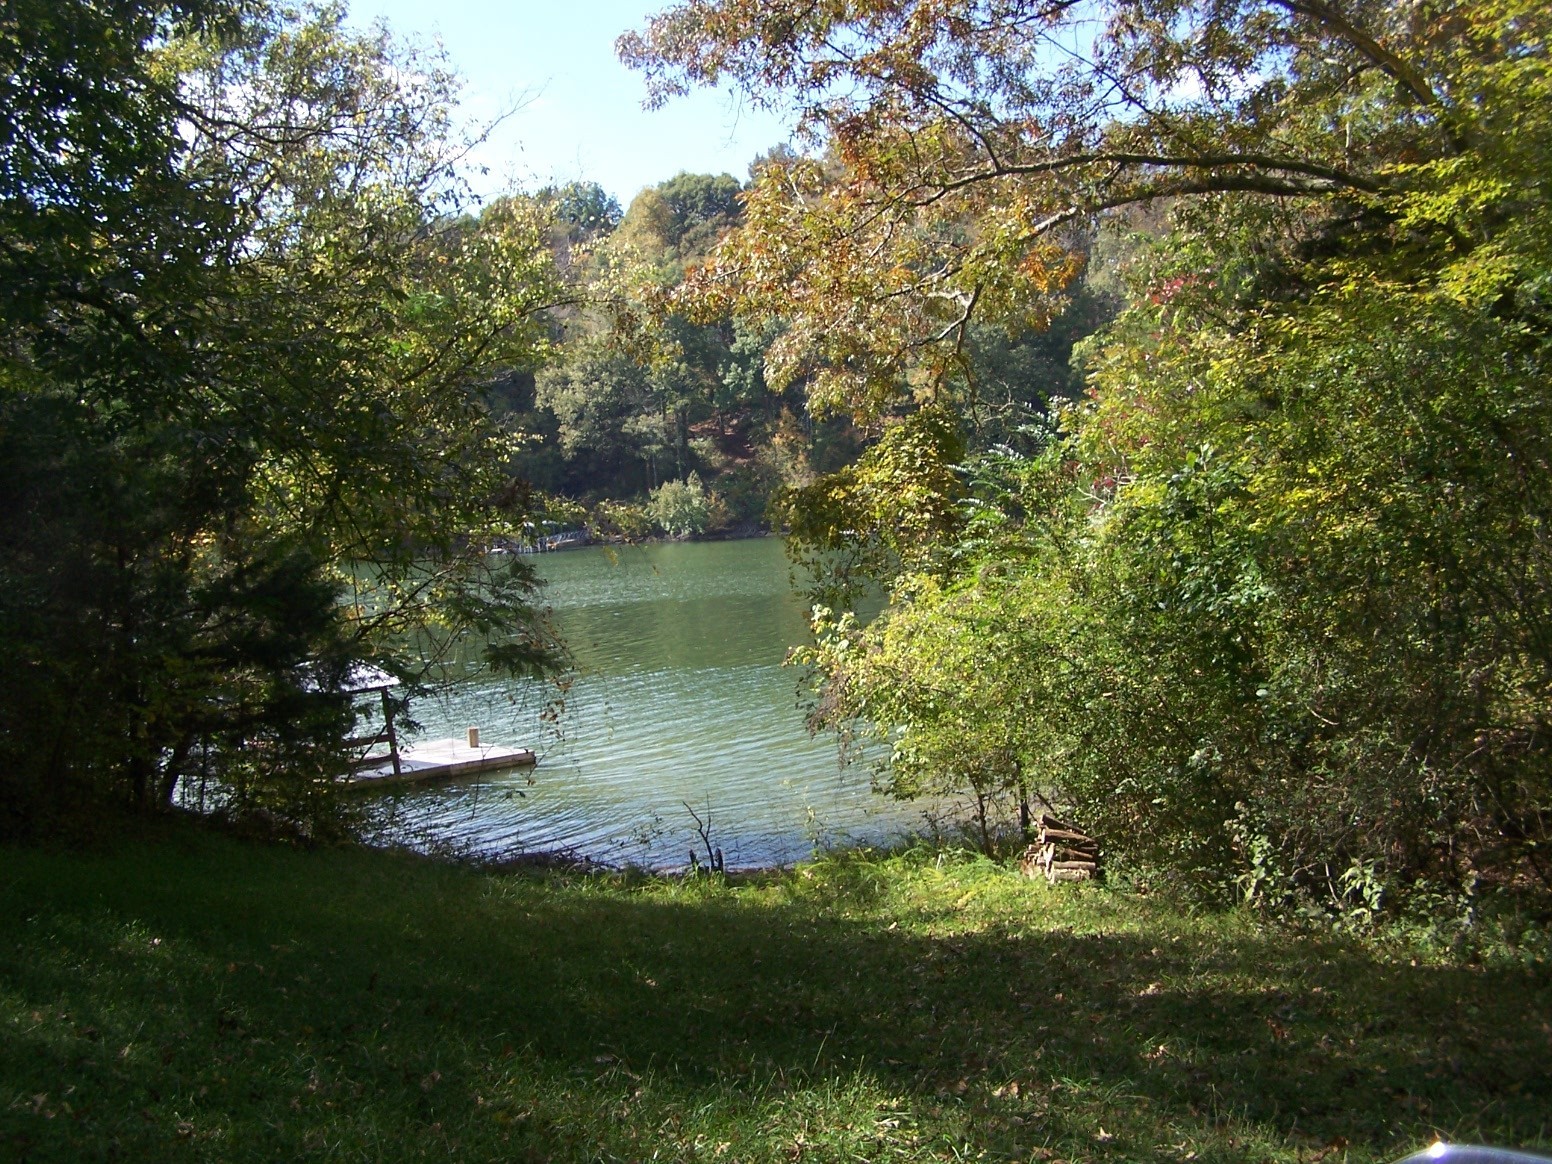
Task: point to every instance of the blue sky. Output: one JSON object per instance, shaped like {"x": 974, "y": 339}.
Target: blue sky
{"x": 580, "y": 114}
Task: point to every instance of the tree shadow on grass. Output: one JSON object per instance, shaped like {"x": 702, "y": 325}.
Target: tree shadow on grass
{"x": 425, "y": 1003}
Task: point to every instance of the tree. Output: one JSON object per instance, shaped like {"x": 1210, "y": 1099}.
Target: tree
{"x": 586, "y": 209}
{"x": 610, "y": 426}
{"x": 680, "y": 507}
{"x": 632, "y": 386}
{"x": 889, "y": 513}
{"x": 968, "y": 140}
{"x": 685, "y": 215}
{"x": 241, "y": 325}
{"x": 1270, "y": 611}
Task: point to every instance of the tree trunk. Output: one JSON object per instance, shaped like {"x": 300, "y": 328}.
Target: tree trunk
{"x": 174, "y": 769}
{"x": 139, "y": 769}
{"x": 980, "y": 813}
{"x": 1026, "y": 819}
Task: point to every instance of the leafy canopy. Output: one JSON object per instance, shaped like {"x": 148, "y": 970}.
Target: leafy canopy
{"x": 971, "y": 144}
{"x": 238, "y": 443}
{"x": 1270, "y": 612}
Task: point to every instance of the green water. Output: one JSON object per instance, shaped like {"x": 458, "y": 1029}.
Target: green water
{"x": 681, "y": 697}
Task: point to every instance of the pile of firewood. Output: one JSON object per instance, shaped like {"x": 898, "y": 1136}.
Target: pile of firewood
{"x": 1060, "y": 853}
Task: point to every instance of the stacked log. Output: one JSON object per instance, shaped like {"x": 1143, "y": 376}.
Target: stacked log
{"x": 1061, "y": 853}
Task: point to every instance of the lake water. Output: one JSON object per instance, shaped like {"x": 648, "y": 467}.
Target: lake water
{"x": 682, "y": 698}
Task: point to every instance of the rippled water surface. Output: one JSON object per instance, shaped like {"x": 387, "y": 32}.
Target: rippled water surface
{"x": 682, "y": 698}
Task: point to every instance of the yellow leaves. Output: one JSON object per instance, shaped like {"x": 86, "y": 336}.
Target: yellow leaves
{"x": 1050, "y": 268}
{"x": 1452, "y": 192}
{"x": 1482, "y": 277}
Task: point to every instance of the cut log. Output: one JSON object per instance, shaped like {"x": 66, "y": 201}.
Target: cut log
{"x": 1089, "y": 865}
{"x": 1069, "y": 855}
{"x": 1029, "y": 861}
{"x": 1055, "y": 875}
{"x": 1064, "y": 835}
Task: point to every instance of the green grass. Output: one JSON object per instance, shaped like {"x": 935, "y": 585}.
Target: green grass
{"x": 206, "y": 999}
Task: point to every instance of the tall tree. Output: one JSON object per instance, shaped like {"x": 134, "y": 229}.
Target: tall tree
{"x": 630, "y": 387}
{"x": 240, "y": 326}
{"x": 585, "y": 209}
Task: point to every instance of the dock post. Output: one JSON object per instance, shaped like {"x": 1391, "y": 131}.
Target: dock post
{"x": 393, "y": 736}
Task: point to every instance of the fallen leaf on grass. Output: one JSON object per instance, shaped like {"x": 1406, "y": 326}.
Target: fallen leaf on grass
{"x": 1337, "y": 1144}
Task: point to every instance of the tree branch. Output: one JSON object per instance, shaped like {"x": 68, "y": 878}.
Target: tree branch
{"x": 1388, "y": 62}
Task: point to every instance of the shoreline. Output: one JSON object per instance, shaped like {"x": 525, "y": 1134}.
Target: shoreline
{"x": 737, "y": 534}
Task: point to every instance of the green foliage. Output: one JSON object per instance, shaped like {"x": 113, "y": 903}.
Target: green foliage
{"x": 1010, "y": 384}
{"x": 241, "y": 324}
{"x": 609, "y": 425}
{"x": 618, "y": 519}
{"x": 1377, "y": 592}
{"x": 641, "y": 394}
{"x": 861, "y": 525}
{"x": 682, "y": 217}
{"x": 681, "y": 508}
{"x": 586, "y": 209}
{"x": 1270, "y": 610}
{"x": 1310, "y": 646}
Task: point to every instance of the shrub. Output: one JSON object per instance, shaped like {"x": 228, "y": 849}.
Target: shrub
{"x": 680, "y": 508}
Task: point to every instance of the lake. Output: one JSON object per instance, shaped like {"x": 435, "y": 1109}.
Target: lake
{"x": 681, "y": 698}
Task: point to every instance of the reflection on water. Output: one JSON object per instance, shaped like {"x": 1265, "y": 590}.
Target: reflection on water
{"x": 682, "y": 698}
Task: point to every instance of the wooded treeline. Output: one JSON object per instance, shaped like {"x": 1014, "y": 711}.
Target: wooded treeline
{"x": 656, "y": 416}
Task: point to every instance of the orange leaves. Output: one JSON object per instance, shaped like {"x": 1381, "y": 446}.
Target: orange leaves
{"x": 963, "y": 145}
{"x": 876, "y": 289}
{"x": 880, "y": 256}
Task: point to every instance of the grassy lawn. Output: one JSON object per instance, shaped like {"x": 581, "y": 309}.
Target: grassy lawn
{"x": 203, "y": 998}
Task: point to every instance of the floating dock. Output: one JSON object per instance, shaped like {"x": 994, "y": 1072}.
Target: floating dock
{"x": 435, "y": 760}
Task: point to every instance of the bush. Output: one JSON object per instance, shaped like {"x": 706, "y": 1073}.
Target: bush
{"x": 680, "y": 508}
{"x": 619, "y": 519}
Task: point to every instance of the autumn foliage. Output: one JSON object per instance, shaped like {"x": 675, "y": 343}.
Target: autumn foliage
{"x": 1269, "y": 609}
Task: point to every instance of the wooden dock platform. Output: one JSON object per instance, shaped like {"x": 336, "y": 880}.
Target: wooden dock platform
{"x": 436, "y": 760}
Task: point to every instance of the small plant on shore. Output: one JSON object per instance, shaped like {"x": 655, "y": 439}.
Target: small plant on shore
{"x": 681, "y": 508}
